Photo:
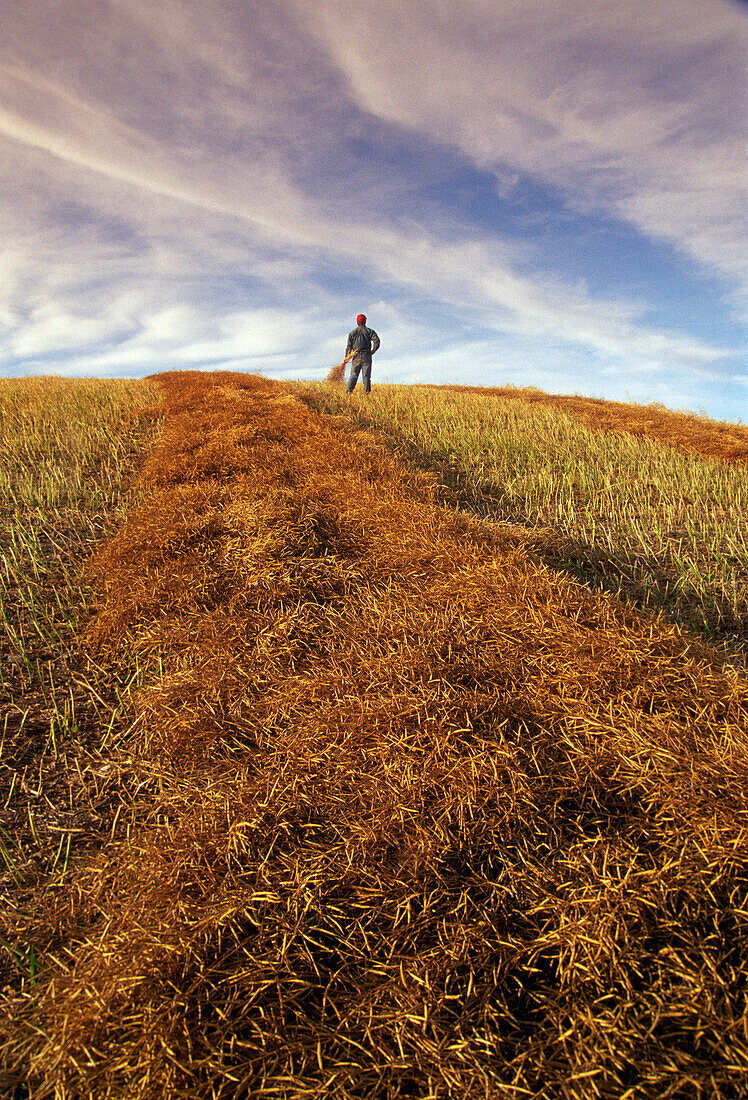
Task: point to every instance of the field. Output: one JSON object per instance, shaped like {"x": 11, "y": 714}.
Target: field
{"x": 380, "y": 749}
{"x": 67, "y": 453}
{"x": 655, "y": 524}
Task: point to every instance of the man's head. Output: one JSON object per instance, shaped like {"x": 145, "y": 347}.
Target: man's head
{"x": 361, "y": 319}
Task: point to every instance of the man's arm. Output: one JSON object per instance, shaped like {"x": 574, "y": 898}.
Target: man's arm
{"x": 374, "y": 340}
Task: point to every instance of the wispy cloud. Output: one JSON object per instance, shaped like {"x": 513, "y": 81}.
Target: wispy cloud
{"x": 626, "y": 105}
{"x": 187, "y": 185}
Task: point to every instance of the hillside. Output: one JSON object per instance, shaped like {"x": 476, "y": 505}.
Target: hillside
{"x": 638, "y": 501}
{"x": 383, "y": 799}
{"x": 686, "y": 431}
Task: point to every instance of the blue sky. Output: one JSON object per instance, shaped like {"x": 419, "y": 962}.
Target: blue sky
{"x": 547, "y": 194}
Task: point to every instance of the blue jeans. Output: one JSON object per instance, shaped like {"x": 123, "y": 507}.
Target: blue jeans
{"x": 360, "y": 364}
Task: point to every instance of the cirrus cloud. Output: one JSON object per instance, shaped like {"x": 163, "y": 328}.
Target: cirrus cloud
{"x": 229, "y": 185}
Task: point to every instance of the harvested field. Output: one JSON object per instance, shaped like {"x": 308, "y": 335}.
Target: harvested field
{"x": 416, "y": 815}
{"x": 690, "y": 433}
{"x": 661, "y": 527}
{"x": 68, "y": 450}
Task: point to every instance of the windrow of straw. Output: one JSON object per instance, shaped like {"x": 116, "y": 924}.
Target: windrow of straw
{"x": 690, "y": 433}
{"x": 427, "y": 819}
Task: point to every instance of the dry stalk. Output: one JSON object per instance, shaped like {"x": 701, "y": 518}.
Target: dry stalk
{"x": 428, "y": 819}
{"x": 686, "y": 431}
{"x": 336, "y": 374}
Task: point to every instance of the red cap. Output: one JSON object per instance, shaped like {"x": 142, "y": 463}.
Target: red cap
{"x": 361, "y": 319}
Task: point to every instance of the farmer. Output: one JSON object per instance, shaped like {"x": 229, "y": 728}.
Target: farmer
{"x": 363, "y": 342}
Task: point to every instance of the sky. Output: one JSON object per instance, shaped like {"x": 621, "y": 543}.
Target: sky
{"x": 547, "y": 193}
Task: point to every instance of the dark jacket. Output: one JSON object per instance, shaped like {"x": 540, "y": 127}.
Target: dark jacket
{"x": 362, "y": 338}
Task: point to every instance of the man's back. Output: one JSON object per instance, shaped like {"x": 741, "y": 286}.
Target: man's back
{"x": 362, "y": 343}
{"x": 362, "y": 338}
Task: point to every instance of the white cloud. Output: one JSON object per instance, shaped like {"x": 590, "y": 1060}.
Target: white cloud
{"x": 181, "y": 184}
{"x": 50, "y": 330}
{"x": 633, "y": 106}
{"x": 467, "y": 275}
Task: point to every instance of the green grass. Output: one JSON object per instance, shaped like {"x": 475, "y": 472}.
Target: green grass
{"x": 68, "y": 450}
{"x": 666, "y": 529}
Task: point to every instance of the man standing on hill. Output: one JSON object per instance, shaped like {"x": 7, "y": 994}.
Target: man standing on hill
{"x": 363, "y": 342}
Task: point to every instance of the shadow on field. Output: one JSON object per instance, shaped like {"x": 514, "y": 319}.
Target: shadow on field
{"x": 642, "y": 580}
